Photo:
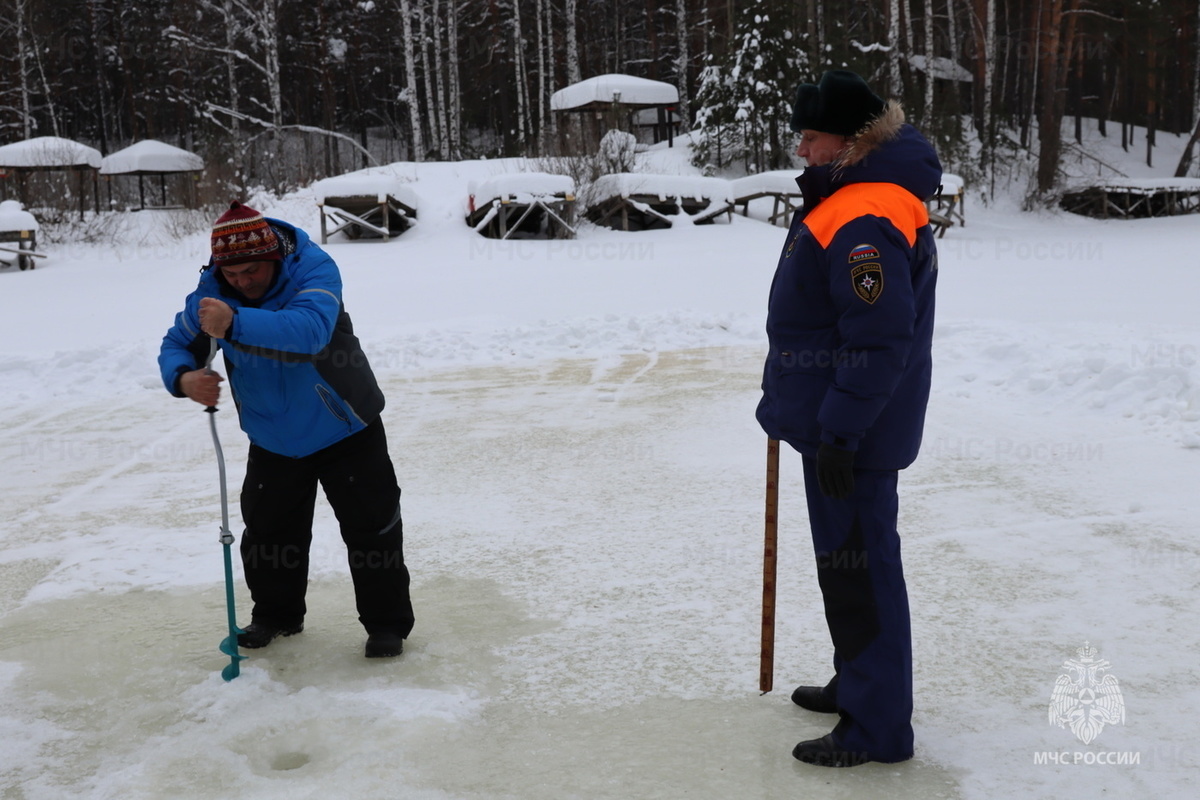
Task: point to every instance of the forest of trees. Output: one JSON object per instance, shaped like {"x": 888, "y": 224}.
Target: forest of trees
{"x": 279, "y": 92}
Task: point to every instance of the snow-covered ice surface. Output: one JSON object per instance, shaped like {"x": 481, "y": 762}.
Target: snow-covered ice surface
{"x": 572, "y": 423}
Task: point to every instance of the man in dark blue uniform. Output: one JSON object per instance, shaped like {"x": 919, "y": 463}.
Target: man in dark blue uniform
{"x": 846, "y": 383}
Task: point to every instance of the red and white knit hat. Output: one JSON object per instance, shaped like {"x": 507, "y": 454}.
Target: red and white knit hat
{"x": 242, "y": 235}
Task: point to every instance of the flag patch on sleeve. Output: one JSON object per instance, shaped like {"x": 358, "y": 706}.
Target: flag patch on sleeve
{"x": 863, "y": 252}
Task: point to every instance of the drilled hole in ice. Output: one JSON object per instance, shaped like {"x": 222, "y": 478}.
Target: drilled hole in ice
{"x": 286, "y": 761}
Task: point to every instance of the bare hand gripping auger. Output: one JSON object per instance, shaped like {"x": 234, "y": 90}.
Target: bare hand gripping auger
{"x": 229, "y": 645}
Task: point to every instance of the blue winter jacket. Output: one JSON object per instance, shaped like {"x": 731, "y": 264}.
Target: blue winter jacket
{"x": 298, "y": 375}
{"x": 850, "y": 315}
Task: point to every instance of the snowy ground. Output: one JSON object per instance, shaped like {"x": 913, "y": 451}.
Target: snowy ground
{"x": 573, "y": 427}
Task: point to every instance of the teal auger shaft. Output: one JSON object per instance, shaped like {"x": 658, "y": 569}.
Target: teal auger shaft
{"x": 229, "y": 645}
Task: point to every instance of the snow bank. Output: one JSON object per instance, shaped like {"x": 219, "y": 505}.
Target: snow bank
{"x": 14, "y": 217}
{"x": 392, "y": 180}
{"x": 780, "y": 181}
{"x": 626, "y": 184}
{"x": 521, "y": 187}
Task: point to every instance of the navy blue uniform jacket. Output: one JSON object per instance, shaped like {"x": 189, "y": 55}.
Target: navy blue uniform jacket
{"x": 850, "y": 316}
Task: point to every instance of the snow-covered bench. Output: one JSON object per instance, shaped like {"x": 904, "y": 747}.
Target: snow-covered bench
{"x": 20, "y": 227}
{"x": 779, "y": 185}
{"x": 1129, "y": 198}
{"x": 636, "y": 201}
{"x": 522, "y": 205}
{"x": 374, "y": 201}
{"x": 947, "y": 205}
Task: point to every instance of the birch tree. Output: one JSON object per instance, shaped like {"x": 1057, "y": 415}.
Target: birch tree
{"x": 103, "y": 95}
{"x": 571, "y": 24}
{"x": 681, "y": 61}
{"x": 454, "y": 97}
{"x": 23, "y": 89}
{"x": 235, "y": 115}
{"x": 438, "y": 110}
{"x": 410, "y": 81}
{"x": 264, "y": 18}
{"x": 518, "y": 58}
{"x": 927, "y": 111}
{"x": 894, "y": 34}
{"x": 1185, "y": 159}
{"x": 425, "y": 69}
{"x": 542, "y": 97}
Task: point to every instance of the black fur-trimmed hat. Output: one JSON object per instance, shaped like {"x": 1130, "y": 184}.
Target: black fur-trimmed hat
{"x": 841, "y": 103}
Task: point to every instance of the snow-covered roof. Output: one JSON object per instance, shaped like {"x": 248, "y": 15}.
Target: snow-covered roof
{"x": 380, "y": 182}
{"x": 942, "y": 67}
{"x": 613, "y": 88}
{"x": 626, "y": 184}
{"x": 779, "y": 181}
{"x": 521, "y": 186}
{"x": 951, "y": 183}
{"x": 49, "y": 152}
{"x": 14, "y": 217}
{"x": 151, "y": 156}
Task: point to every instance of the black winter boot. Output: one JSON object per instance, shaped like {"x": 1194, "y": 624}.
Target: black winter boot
{"x": 261, "y": 634}
{"x": 384, "y": 645}
{"x": 825, "y": 752}
{"x": 816, "y": 698}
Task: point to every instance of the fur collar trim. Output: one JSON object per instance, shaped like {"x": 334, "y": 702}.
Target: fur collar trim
{"x": 874, "y": 134}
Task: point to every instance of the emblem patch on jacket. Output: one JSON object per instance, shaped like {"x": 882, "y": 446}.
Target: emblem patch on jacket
{"x": 791, "y": 246}
{"x": 863, "y": 252}
{"x": 868, "y": 281}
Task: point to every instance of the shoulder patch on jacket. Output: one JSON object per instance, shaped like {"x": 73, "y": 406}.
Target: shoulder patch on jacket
{"x": 867, "y": 280}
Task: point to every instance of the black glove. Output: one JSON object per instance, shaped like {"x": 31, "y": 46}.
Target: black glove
{"x": 835, "y": 471}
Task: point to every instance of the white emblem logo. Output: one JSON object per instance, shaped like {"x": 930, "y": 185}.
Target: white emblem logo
{"x": 1084, "y": 700}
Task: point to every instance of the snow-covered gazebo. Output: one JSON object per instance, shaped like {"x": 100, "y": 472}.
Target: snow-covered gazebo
{"x": 48, "y": 154}
{"x": 151, "y": 157}
{"x": 612, "y": 101}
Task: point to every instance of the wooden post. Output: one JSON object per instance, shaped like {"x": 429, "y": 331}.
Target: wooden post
{"x": 766, "y": 666}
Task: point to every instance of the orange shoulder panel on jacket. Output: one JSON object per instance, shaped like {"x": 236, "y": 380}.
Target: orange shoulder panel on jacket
{"x": 887, "y": 200}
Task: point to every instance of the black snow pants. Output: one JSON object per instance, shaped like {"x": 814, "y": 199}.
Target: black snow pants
{"x": 278, "y": 498}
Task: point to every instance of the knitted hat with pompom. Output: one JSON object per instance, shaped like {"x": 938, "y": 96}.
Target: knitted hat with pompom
{"x": 242, "y": 235}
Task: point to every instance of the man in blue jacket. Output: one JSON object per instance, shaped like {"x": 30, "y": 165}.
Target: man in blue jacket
{"x": 308, "y": 400}
{"x": 846, "y": 382}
